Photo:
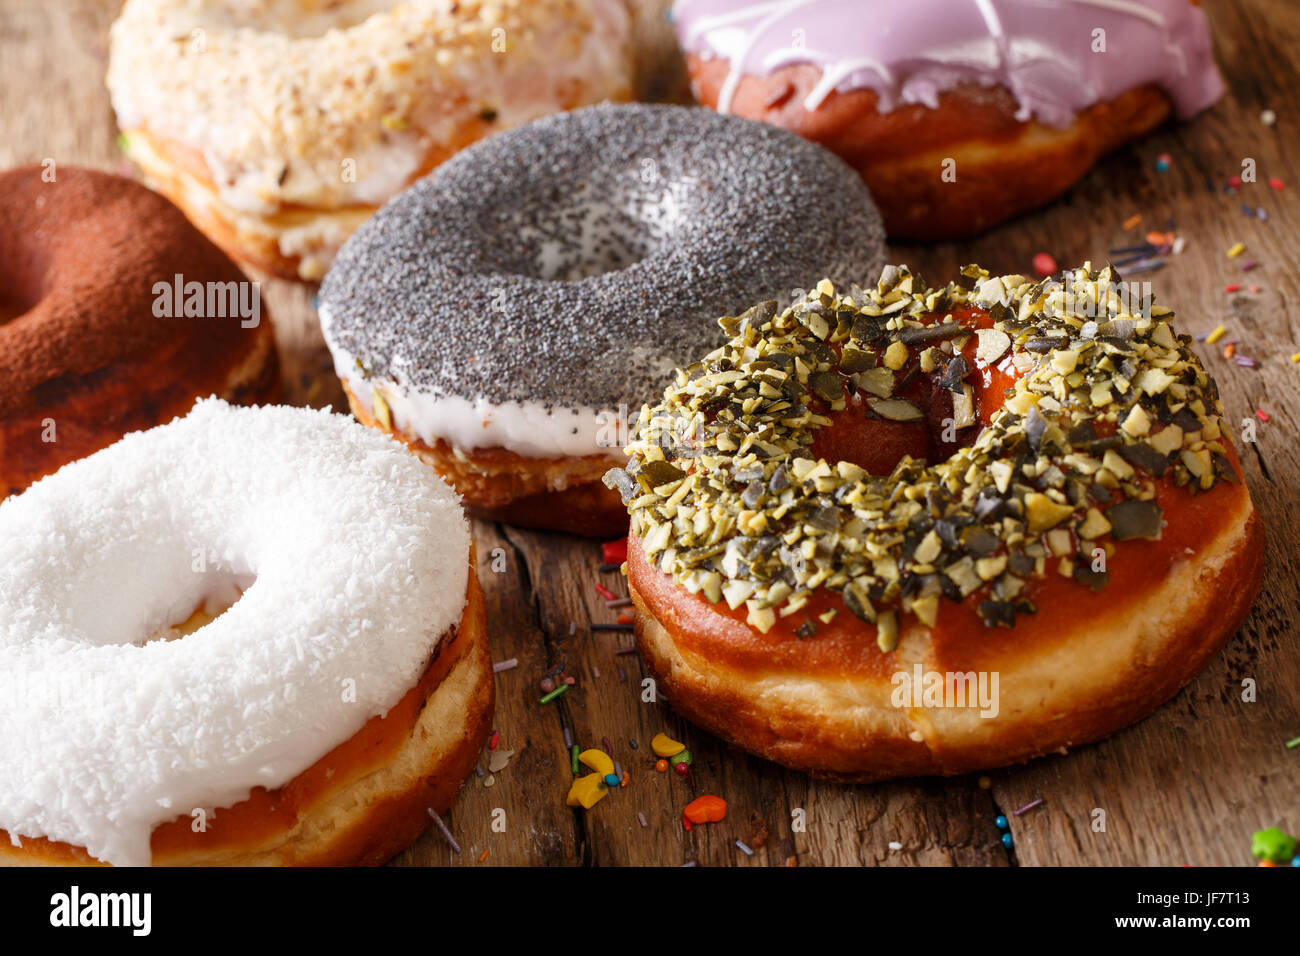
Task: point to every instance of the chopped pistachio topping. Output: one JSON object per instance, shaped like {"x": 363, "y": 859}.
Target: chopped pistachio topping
{"x": 726, "y": 496}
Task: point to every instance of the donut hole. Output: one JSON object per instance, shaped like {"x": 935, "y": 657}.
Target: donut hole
{"x": 597, "y": 230}
{"x": 299, "y": 19}
{"x": 221, "y": 592}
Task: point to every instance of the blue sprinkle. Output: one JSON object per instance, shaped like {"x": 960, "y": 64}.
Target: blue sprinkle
{"x": 1007, "y": 841}
{"x": 315, "y": 302}
{"x": 611, "y": 780}
{"x": 1261, "y": 214}
{"x": 631, "y": 742}
{"x": 744, "y": 849}
{"x": 1295, "y": 861}
{"x": 1000, "y": 823}
{"x": 1247, "y": 210}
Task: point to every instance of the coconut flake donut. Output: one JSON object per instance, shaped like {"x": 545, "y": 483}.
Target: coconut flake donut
{"x": 905, "y": 531}
{"x": 957, "y": 115}
{"x": 339, "y": 701}
{"x": 279, "y": 127}
{"x": 503, "y": 314}
{"x": 95, "y": 340}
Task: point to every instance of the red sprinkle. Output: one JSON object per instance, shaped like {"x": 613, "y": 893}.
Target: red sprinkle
{"x": 615, "y": 552}
{"x": 1044, "y": 264}
{"x": 1261, "y": 414}
{"x": 605, "y": 592}
{"x": 1232, "y": 287}
{"x": 626, "y": 618}
{"x": 494, "y": 740}
{"x": 1276, "y": 183}
{"x": 1234, "y": 181}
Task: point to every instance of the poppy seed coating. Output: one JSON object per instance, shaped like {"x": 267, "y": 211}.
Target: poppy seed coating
{"x": 577, "y": 260}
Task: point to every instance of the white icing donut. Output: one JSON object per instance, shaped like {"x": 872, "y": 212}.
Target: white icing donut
{"x": 354, "y": 559}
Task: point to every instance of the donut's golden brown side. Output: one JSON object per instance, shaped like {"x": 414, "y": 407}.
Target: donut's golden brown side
{"x": 1003, "y": 166}
{"x": 85, "y": 356}
{"x": 1084, "y": 666}
{"x": 294, "y": 241}
{"x": 559, "y": 494}
{"x": 363, "y": 802}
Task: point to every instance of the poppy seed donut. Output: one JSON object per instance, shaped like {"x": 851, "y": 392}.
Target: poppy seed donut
{"x": 503, "y": 314}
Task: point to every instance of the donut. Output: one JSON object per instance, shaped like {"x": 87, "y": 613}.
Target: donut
{"x": 280, "y": 127}
{"x": 503, "y": 314}
{"x": 908, "y": 531}
{"x": 959, "y": 116}
{"x": 115, "y": 314}
{"x": 333, "y": 707}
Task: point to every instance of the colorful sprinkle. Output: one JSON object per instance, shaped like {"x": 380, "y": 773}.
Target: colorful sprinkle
{"x": 1007, "y": 841}
{"x": 509, "y": 665}
{"x": 1247, "y": 266}
{"x": 1217, "y": 334}
{"x": 574, "y": 750}
{"x": 614, "y": 552}
{"x": 744, "y": 848}
{"x": 1027, "y": 807}
{"x": 1276, "y": 183}
{"x": 605, "y": 592}
{"x": 1245, "y": 361}
{"x": 1001, "y": 823}
{"x": 1232, "y": 287}
{"x": 640, "y": 818}
{"x": 1262, "y": 415}
{"x": 483, "y": 856}
{"x": 568, "y": 738}
{"x": 553, "y": 694}
{"x": 682, "y": 768}
{"x": 1162, "y": 162}
{"x": 1044, "y": 264}
{"x": 494, "y": 740}
{"x": 1296, "y": 358}
{"x": 451, "y": 840}
{"x": 661, "y": 766}
{"x": 1293, "y": 744}
{"x": 665, "y": 746}
{"x": 1236, "y": 249}
{"x": 1131, "y": 221}
{"x": 704, "y": 809}
{"x": 1272, "y": 845}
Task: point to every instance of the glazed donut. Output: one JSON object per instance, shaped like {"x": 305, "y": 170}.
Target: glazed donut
{"x": 102, "y": 331}
{"x": 280, "y": 127}
{"x": 341, "y": 699}
{"x": 498, "y": 315}
{"x": 906, "y": 531}
{"x": 958, "y": 115}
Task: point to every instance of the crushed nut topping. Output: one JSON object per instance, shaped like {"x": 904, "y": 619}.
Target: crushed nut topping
{"x": 726, "y": 497}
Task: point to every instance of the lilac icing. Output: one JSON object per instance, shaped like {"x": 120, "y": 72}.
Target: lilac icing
{"x": 1046, "y": 52}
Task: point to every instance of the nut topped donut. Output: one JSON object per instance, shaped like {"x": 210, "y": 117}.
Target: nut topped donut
{"x": 279, "y": 127}
{"x": 1022, "y": 485}
{"x": 958, "y": 115}
{"x": 115, "y": 314}
{"x": 503, "y": 314}
{"x": 320, "y": 718}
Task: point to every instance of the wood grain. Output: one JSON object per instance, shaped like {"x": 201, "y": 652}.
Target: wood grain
{"x": 1185, "y": 786}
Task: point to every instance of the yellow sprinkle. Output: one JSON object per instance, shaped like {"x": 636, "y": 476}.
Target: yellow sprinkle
{"x": 1217, "y": 334}
{"x": 1296, "y": 357}
{"x": 382, "y": 415}
{"x": 1237, "y": 249}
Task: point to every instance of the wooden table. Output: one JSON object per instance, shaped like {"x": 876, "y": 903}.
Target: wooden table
{"x": 1187, "y": 785}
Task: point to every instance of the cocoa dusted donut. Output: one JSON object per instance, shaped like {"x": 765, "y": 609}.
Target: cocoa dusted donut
{"x": 97, "y": 338}
{"x": 958, "y": 115}
{"x": 279, "y": 126}
{"x": 503, "y": 314}
{"x": 911, "y": 530}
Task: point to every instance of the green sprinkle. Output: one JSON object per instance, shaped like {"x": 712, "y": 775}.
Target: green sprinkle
{"x": 1293, "y": 744}
{"x": 123, "y": 142}
{"x": 554, "y": 694}
{"x": 575, "y": 752}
